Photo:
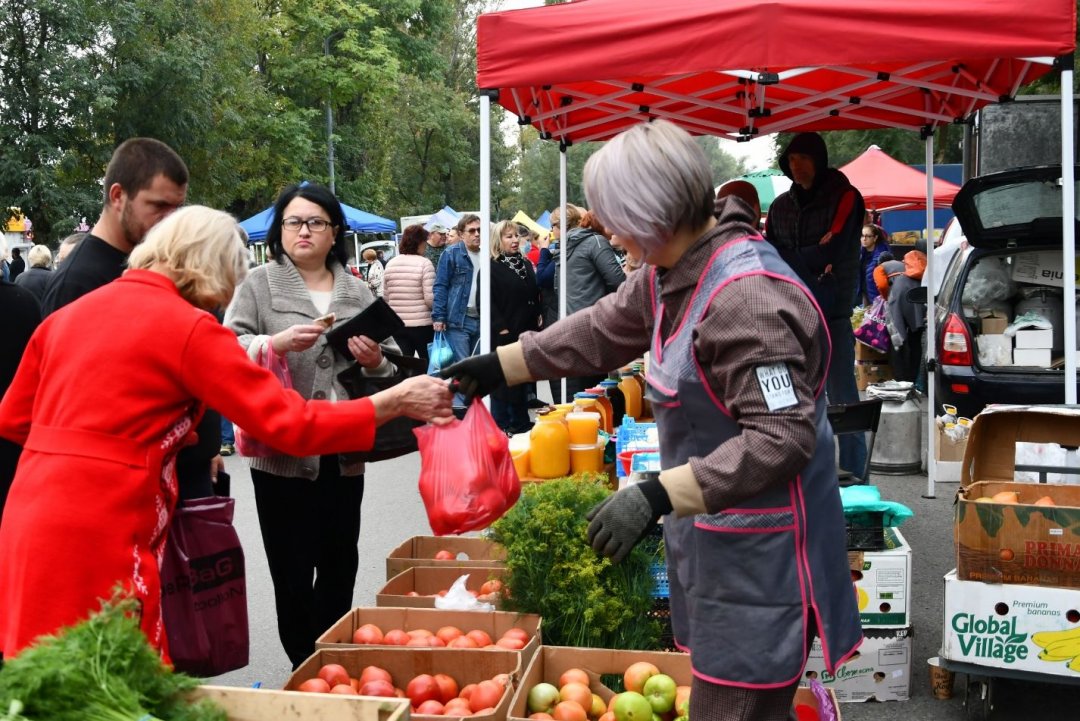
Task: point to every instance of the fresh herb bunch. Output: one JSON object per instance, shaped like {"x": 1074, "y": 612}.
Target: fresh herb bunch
{"x": 584, "y": 599}
{"x": 102, "y": 669}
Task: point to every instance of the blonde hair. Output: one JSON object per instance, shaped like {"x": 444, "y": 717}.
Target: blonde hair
{"x": 573, "y": 217}
{"x": 201, "y": 250}
{"x": 496, "y": 236}
{"x": 39, "y": 257}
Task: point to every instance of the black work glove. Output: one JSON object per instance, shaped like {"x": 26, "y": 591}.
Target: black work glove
{"x": 620, "y": 521}
{"x": 475, "y": 376}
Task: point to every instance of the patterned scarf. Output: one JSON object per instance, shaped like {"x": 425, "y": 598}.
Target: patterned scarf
{"x": 516, "y": 263}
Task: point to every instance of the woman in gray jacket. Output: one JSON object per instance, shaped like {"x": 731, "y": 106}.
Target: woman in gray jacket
{"x": 309, "y": 508}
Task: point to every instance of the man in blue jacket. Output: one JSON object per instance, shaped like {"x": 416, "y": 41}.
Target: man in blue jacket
{"x": 456, "y": 307}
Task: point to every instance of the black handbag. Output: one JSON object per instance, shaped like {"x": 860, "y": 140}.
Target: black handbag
{"x": 394, "y": 438}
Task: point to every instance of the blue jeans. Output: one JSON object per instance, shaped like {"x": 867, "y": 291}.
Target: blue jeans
{"x": 227, "y": 438}
{"x": 464, "y": 341}
{"x": 840, "y": 388}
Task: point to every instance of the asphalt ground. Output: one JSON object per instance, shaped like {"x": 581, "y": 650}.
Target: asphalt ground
{"x": 393, "y": 512}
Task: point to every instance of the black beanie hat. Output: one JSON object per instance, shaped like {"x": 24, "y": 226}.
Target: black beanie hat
{"x": 810, "y": 144}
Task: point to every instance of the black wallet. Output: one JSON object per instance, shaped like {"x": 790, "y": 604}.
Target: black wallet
{"x": 378, "y": 322}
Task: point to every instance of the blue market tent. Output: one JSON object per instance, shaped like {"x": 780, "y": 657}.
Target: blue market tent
{"x": 544, "y": 220}
{"x": 358, "y": 220}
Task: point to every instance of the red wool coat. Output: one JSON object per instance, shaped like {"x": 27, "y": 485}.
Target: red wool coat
{"x": 108, "y": 390}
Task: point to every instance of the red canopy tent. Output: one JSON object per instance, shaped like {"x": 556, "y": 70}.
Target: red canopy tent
{"x": 888, "y": 184}
{"x": 738, "y": 68}
{"x": 589, "y": 69}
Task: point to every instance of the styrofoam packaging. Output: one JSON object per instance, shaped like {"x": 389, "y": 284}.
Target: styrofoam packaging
{"x": 1036, "y": 338}
{"x": 1032, "y": 357}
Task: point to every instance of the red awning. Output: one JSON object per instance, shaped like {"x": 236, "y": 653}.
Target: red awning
{"x": 888, "y": 184}
{"x": 586, "y": 70}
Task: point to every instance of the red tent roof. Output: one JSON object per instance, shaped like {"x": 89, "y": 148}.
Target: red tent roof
{"x": 886, "y": 183}
{"x": 586, "y": 70}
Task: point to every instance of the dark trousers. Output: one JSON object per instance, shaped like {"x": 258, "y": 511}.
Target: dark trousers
{"x": 510, "y": 408}
{"x": 310, "y": 531}
{"x": 415, "y": 339}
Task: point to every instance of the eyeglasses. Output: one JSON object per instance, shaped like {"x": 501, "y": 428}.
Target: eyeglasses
{"x": 314, "y": 225}
{"x": 472, "y": 231}
{"x": 869, "y": 237}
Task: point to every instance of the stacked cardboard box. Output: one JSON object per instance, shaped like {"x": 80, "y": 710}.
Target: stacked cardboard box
{"x": 1013, "y": 600}
{"x": 871, "y": 366}
{"x": 1033, "y": 348}
{"x": 882, "y": 669}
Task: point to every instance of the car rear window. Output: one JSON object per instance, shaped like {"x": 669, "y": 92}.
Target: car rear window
{"x": 1018, "y": 203}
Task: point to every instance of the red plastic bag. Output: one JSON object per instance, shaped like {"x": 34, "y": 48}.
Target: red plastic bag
{"x": 246, "y": 444}
{"x": 467, "y": 477}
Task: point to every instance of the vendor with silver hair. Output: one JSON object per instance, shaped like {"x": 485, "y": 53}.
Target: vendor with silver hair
{"x": 753, "y": 523}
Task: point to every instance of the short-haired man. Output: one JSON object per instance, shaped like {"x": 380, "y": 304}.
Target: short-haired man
{"x": 17, "y": 265}
{"x": 816, "y": 227}
{"x": 436, "y": 243}
{"x": 456, "y": 307}
{"x": 145, "y": 181}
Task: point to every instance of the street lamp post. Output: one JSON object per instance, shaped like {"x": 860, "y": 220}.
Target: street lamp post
{"x": 329, "y": 112}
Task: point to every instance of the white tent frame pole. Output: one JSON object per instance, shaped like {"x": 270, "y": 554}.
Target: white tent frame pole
{"x": 1068, "y": 228}
{"x": 930, "y": 333}
{"x": 562, "y": 248}
{"x": 485, "y": 224}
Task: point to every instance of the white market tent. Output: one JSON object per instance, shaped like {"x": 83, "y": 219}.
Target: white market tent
{"x": 587, "y": 70}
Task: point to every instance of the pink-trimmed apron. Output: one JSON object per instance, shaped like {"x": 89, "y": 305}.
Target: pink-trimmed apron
{"x": 745, "y": 581}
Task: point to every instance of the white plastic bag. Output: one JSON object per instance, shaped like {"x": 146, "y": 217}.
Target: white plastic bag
{"x": 458, "y": 598}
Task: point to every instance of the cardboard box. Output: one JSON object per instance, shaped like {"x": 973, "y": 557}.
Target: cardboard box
{"x": 947, "y": 449}
{"x": 494, "y": 623}
{"x": 864, "y": 352}
{"x": 469, "y": 551}
{"x": 250, "y": 704}
{"x": 1034, "y": 339}
{"x": 883, "y": 583}
{"x": 868, "y": 373}
{"x": 994, "y": 324}
{"x": 427, "y": 581}
{"x": 998, "y": 626}
{"x": 464, "y": 666}
{"x": 881, "y": 671}
{"x": 551, "y": 661}
{"x": 994, "y": 350}
{"x": 947, "y": 471}
{"x": 1021, "y": 543}
{"x": 1032, "y": 357}
{"x": 1042, "y": 268}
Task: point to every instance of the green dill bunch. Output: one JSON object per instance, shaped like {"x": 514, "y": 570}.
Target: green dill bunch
{"x": 583, "y": 598}
{"x": 101, "y": 669}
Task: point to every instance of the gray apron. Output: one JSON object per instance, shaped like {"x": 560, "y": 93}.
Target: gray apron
{"x": 745, "y": 581}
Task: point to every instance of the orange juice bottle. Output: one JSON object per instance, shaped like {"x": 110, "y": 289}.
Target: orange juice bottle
{"x": 589, "y": 401}
{"x": 628, "y": 384}
{"x": 549, "y": 447}
{"x": 608, "y": 410}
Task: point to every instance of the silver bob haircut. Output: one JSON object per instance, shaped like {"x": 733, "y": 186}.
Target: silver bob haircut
{"x": 649, "y": 182}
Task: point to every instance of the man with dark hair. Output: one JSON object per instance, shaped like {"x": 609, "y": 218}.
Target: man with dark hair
{"x": 816, "y": 227}
{"x": 145, "y": 181}
{"x": 17, "y": 265}
{"x": 456, "y": 307}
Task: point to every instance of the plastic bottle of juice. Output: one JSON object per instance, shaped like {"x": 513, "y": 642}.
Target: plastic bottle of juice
{"x": 617, "y": 398}
{"x": 628, "y": 384}
{"x": 608, "y": 412}
{"x": 549, "y": 447}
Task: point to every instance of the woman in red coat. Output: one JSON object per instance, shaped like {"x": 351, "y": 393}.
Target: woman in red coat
{"x": 109, "y": 390}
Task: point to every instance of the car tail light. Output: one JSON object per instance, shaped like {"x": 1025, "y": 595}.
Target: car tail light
{"x": 955, "y": 342}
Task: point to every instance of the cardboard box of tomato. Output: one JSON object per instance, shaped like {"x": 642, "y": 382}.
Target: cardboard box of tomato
{"x": 445, "y": 552}
{"x": 418, "y": 586}
{"x": 405, "y": 665}
{"x": 493, "y": 623}
{"x": 263, "y": 704}
{"x": 609, "y": 665}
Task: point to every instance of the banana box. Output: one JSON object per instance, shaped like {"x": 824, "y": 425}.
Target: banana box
{"x": 883, "y": 582}
{"x": 880, "y": 671}
{"x": 1014, "y": 627}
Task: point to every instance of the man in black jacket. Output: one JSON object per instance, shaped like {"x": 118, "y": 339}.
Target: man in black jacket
{"x": 816, "y": 226}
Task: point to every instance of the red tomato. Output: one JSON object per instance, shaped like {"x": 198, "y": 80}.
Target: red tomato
{"x": 486, "y": 695}
{"x": 378, "y": 687}
{"x": 334, "y": 674}
{"x": 457, "y": 707}
{"x": 430, "y": 708}
{"x": 368, "y": 633}
{"x": 569, "y": 711}
{"x": 344, "y": 688}
{"x": 395, "y": 637}
{"x": 418, "y": 632}
{"x": 514, "y": 644}
{"x": 481, "y": 638}
{"x": 448, "y": 687}
{"x": 314, "y": 685}
{"x": 422, "y": 688}
{"x": 375, "y": 673}
{"x": 492, "y": 586}
{"x": 449, "y": 633}
{"x": 444, "y": 555}
{"x": 466, "y": 691}
{"x": 462, "y": 642}
{"x": 518, "y": 633}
